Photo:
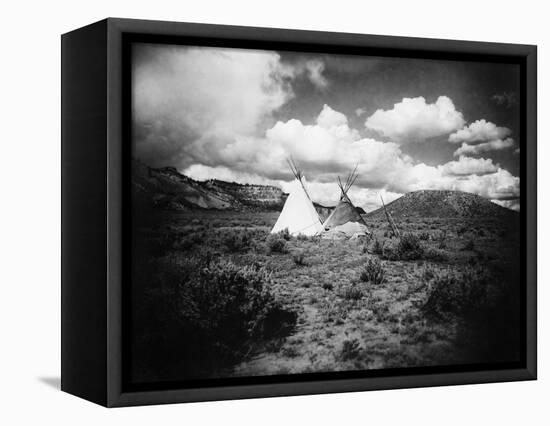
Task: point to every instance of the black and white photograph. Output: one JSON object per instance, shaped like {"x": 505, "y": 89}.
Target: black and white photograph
{"x": 286, "y": 213}
{"x": 298, "y": 213}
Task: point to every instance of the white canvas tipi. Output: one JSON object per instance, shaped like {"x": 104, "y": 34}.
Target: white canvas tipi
{"x": 298, "y": 215}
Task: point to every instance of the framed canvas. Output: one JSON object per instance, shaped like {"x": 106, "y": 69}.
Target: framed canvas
{"x": 254, "y": 212}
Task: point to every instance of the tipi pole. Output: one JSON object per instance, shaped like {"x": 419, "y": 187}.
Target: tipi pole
{"x": 390, "y": 219}
{"x": 298, "y": 175}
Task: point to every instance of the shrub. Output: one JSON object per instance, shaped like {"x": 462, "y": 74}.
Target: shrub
{"x": 299, "y": 257}
{"x": 328, "y": 286}
{"x": 424, "y": 236}
{"x": 408, "y": 248}
{"x": 276, "y": 244}
{"x": 373, "y": 272}
{"x": 481, "y": 301}
{"x": 237, "y": 240}
{"x": 285, "y": 234}
{"x": 351, "y": 349}
{"x": 458, "y": 293}
{"x": 203, "y": 312}
{"x": 227, "y": 300}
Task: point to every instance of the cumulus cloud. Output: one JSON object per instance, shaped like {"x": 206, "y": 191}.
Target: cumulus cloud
{"x": 481, "y": 136}
{"x": 329, "y": 148}
{"x": 494, "y": 145}
{"x": 469, "y": 166}
{"x": 325, "y": 149}
{"x": 329, "y": 118}
{"x": 497, "y": 186}
{"x": 415, "y": 120}
{"x": 480, "y": 131}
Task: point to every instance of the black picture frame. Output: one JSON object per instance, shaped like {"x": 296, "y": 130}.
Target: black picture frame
{"x": 95, "y": 162}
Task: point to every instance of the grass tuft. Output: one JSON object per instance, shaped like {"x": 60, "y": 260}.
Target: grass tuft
{"x": 352, "y": 292}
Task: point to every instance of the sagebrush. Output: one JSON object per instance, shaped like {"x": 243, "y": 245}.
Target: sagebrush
{"x": 373, "y": 272}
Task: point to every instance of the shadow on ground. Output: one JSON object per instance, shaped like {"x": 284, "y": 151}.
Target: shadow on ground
{"x": 54, "y": 382}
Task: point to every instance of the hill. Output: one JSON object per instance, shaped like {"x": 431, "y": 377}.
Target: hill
{"x": 166, "y": 188}
{"x": 443, "y": 204}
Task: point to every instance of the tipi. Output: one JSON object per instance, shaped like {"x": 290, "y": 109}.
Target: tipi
{"x": 298, "y": 215}
{"x": 345, "y": 211}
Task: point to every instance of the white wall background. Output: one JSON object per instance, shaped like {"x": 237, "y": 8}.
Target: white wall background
{"x": 30, "y": 194}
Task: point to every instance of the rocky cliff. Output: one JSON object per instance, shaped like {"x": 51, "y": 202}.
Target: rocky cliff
{"x": 166, "y": 188}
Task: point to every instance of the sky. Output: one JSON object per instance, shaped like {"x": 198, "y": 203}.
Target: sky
{"x": 408, "y": 124}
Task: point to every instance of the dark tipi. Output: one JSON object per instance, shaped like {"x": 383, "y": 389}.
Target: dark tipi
{"x": 345, "y": 211}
